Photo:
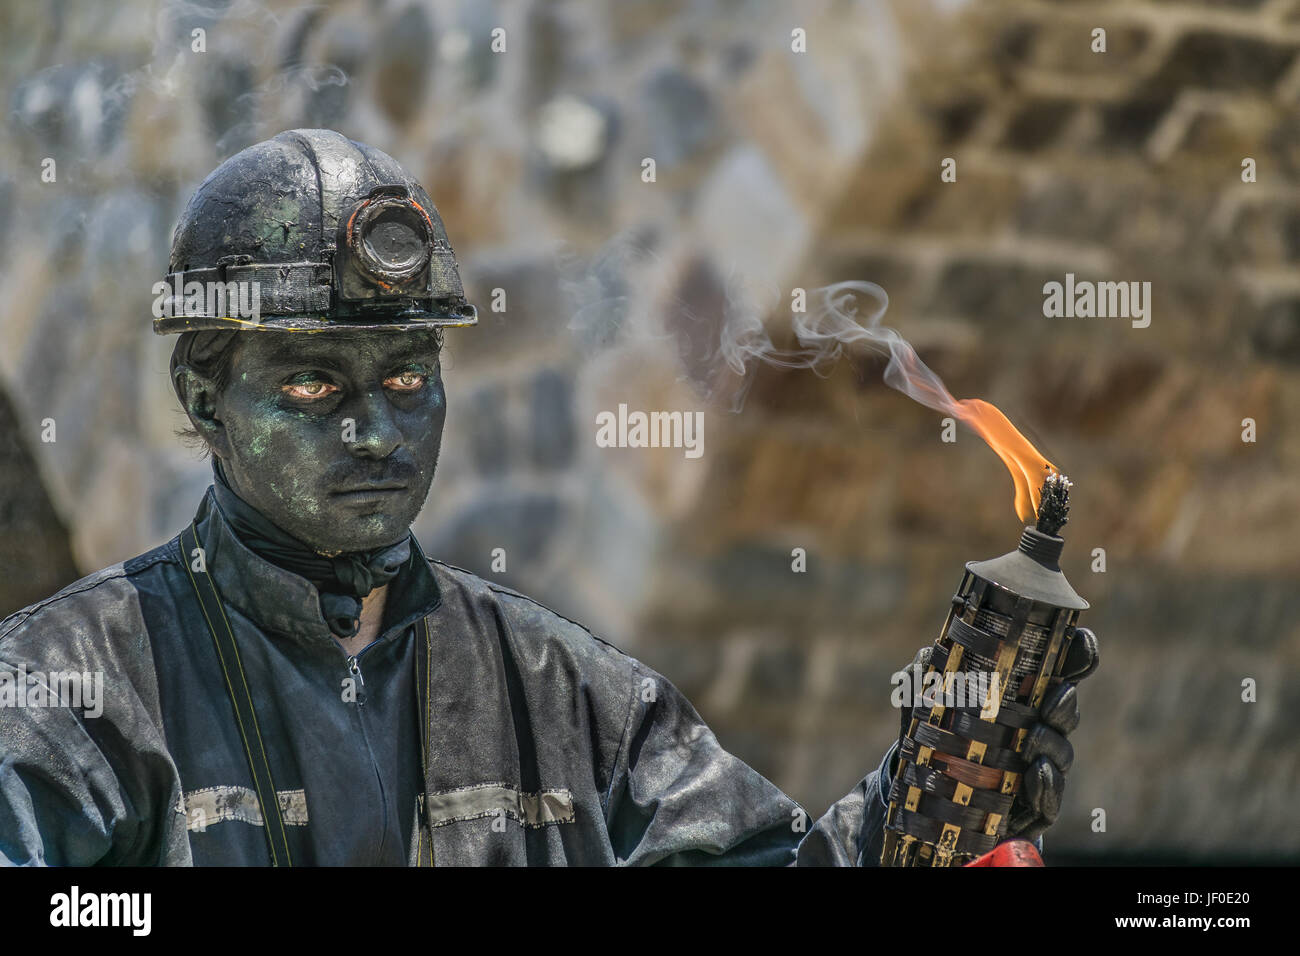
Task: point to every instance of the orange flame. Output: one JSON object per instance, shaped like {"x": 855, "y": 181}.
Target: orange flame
{"x": 1027, "y": 465}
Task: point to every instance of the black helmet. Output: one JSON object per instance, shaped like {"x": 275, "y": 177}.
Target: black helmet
{"x": 310, "y": 231}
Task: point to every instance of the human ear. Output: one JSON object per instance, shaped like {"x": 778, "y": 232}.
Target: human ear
{"x": 198, "y": 395}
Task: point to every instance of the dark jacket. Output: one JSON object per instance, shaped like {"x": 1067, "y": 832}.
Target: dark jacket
{"x": 544, "y": 745}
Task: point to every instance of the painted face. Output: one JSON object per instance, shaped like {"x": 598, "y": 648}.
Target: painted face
{"x": 334, "y": 437}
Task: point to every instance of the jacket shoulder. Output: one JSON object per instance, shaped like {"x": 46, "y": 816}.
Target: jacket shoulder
{"x": 532, "y": 623}
{"x": 95, "y": 603}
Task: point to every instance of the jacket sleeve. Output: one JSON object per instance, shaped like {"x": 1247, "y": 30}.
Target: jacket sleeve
{"x": 679, "y": 799}
{"x": 60, "y": 803}
{"x": 851, "y": 832}
{"x": 80, "y": 785}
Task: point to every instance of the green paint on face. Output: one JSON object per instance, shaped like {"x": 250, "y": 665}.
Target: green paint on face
{"x": 335, "y": 437}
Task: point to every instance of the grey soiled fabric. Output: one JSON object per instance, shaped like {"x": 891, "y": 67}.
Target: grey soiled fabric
{"x": 546, "y": 745}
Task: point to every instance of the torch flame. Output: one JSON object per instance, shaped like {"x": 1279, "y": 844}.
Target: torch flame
{"x": 1027, "y": 465}
{"x": 907, "y": 373}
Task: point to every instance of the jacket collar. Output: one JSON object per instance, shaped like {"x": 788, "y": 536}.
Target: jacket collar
{"x": 281, "y": 602}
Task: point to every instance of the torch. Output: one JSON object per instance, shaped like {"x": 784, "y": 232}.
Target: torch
{"x": 1011, "y": 621}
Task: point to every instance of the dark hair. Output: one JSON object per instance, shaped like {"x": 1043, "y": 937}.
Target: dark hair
{"x": 211, "y": 354}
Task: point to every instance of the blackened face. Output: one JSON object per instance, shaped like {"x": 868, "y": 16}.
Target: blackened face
{"x": 334, "y": 437}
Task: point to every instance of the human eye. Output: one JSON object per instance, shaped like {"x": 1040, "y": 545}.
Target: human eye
{"x": 407, "y": 380}
{"x": 309, "y": 387}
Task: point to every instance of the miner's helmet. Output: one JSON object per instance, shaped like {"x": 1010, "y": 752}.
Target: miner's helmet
{"x": 310, "y": 231}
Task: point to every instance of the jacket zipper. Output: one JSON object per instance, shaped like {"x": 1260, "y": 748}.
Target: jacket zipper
{"x": 354, "y": 668}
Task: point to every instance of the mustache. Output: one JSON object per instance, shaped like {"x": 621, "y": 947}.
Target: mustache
{"x": 358, "y": 472}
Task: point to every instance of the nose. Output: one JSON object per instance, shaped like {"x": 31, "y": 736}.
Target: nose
{"x": 374, "y": 434}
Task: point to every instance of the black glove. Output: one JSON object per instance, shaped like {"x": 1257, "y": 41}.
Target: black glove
{"x": 1048, "y": 753}
{"x": 1046, "y": 749}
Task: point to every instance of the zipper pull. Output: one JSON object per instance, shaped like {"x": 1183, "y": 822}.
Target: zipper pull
{"x": 354, "y": 668}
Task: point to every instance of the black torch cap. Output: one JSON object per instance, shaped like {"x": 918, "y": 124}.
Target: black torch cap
{"x": 1031, "y": 571}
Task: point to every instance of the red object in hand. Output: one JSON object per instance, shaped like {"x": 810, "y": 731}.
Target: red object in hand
{"x": 1010, "y": 853}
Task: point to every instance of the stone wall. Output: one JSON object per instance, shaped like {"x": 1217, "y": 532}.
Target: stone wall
{"x": 774, "y": 170}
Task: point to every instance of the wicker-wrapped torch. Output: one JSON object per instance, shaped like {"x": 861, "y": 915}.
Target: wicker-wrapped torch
{"x": 960, "y": 767}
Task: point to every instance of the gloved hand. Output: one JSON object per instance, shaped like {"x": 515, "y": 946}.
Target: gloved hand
{"x": 1047, "y": 751}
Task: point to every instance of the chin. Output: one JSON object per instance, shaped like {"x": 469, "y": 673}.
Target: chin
{"x": 330, "y": 522}
{"x": 355, "y": 525}
{"x": 363, "y": 532}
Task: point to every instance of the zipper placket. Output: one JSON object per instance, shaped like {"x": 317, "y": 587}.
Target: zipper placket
{"x": 354, "y": 669}
{"x": 422, "y": 706}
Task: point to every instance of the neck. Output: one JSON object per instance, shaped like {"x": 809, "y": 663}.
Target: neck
{"x": 372, "y": 620}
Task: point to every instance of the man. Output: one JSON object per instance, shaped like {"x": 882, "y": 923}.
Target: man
{"x": 290, "y": 680}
